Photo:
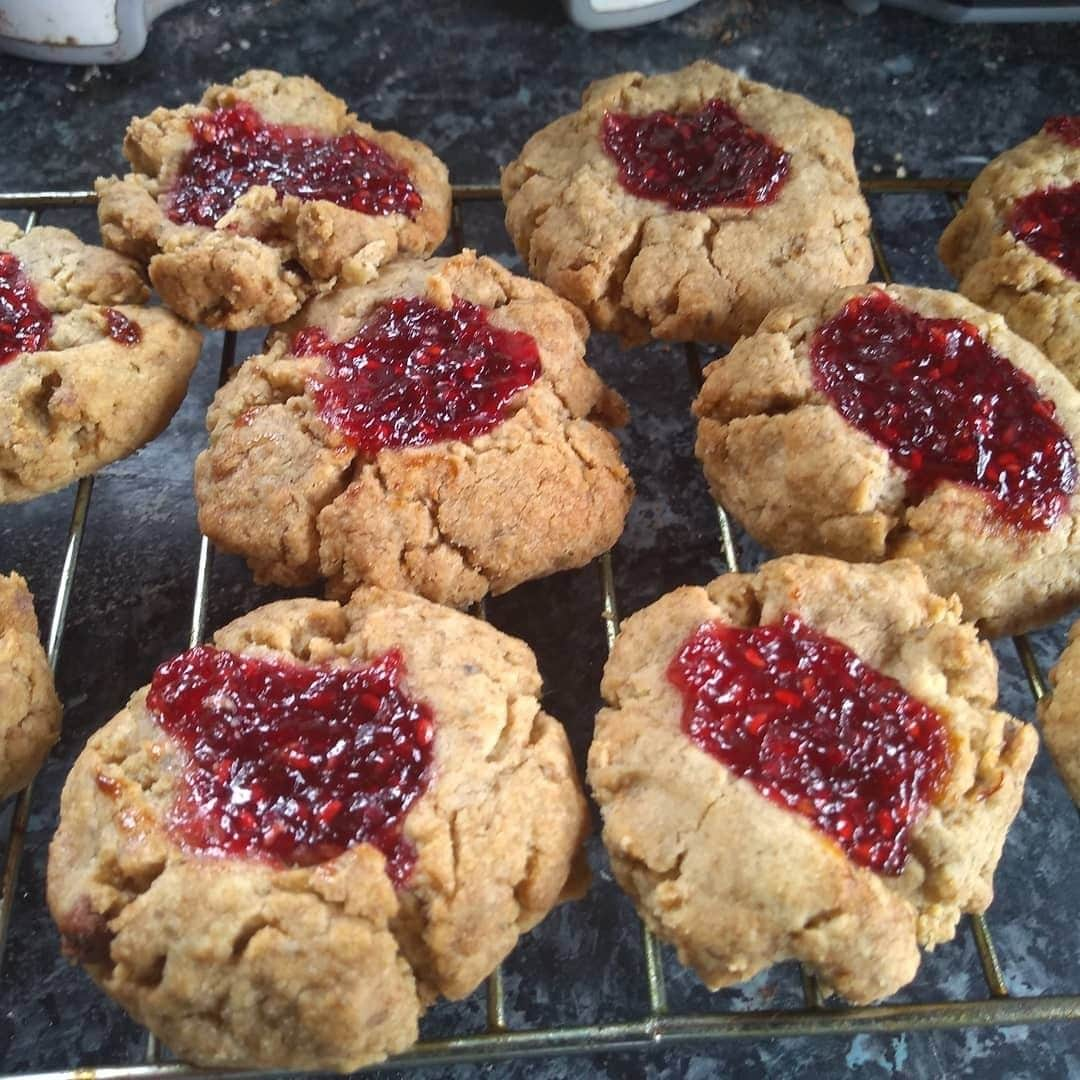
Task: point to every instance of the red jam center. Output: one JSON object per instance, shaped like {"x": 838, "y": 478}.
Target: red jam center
{"x": 417, "y": 373}
{"x": 25, "y": 324}
{"x": 121, "y": 328}
{"x": 813, "y": 728}
{"x": 1066, "y": 128}
{"x": 695, "y": 160}
{"x": 1048, "y": 222}
{"x": 294, "y": 764}
{"x": 946, "y": 406}
{"x": 235, "y": 149}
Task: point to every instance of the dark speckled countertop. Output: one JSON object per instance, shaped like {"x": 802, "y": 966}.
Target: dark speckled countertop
{"x": 474, "y": 80}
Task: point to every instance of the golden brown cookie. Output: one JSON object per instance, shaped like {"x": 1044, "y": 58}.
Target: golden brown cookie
{"x": 29, "y": 707}
{"x": 757, "y": 204}
{"x": 436, "y": 431}
{"x": 1059, "y": 714}
{"x": 88, "y": 373}
{"x": 243, "y": 204}
{"x": 289, "y": 845}
{"x": 1015, "y": 245}
{"x": 896, "y": 422}
{"x": 805, "y": 763}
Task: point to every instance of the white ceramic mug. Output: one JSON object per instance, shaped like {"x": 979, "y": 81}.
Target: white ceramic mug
{"x": 615, "y": 14}
{"x": 78, "y": 31}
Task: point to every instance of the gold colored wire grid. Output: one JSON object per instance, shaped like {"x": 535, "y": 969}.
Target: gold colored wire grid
{"x": 499, "y": 1041}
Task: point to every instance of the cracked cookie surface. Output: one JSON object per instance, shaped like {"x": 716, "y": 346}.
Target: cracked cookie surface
{"x": 1038, "y": 298}
{"x": 238, "y": 962}
{"x": 268, "y": 253}
{"x": 1059, "y": 714}
{"x": 83, "y": 398}
{"x": 781, "y": 458}
{"x": 689, "y": 839}
{"x": 640, "y": 269}
{"x": 544, "y": 490}
{"x": 29, "y": 707}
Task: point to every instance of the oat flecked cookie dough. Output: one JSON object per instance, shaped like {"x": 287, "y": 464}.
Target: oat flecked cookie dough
{"x": 88, "y": 373}
{"x": 29, "y": 707}
{"x": 436, "y": 431}
{"x": 1059, "y": 714}
{"x": 245, "y": 203}
{"x": 895, "y": 422}
{"x": 744, "y": 839}
{"x": 685, "y": 206}
{"x": 385, "y": 811}
{"x": 1015, "y": 245}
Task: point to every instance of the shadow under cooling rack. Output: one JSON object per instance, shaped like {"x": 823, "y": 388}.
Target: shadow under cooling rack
{"x": 658, "y": 1026}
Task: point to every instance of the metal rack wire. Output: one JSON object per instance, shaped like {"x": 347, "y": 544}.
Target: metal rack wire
{"x": 658, "y": 1026}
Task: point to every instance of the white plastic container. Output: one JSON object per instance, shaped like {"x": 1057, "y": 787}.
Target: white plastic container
{"x": 972, "y": 11}
{"x": 78, "y": 31}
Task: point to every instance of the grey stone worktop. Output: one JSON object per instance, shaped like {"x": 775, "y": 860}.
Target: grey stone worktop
{"x": 474, "y": 79}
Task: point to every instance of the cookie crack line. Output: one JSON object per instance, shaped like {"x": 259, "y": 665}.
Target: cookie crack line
{"x": 430, "y": 507}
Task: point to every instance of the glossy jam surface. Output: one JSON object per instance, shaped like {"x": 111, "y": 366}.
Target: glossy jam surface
{"x": 947, "y": 407}
{"x": 1066, "y": 128}
{"x": 25, "y": 324}
{"x": 121, "y": 328}
{"x": 417, "y": 373}
{"x": 1048, "y": 222}
{"x": 235, "y": 149}
{"x": 294, "y": 764}
{"x": 692, "y": 161}
{"x": 813, "y": 728}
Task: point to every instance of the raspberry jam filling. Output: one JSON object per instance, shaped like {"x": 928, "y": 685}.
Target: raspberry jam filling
{"x": 417, "y": 373}
{"x": 946, "y": 407}
{"x": 25, "y": 324}
{"x": 235, "y": 149}
{"x": 1066, "y": 128}
{"x": 813, "y": 728}
{"x": 692, "y": 161}
{"x": 294, "y": 764}
{"x": 121, "y": 328}
{"x": 1048, "y": 222}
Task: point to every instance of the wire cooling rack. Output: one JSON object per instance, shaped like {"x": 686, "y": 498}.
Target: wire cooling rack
{"x": 658, "y": 1026}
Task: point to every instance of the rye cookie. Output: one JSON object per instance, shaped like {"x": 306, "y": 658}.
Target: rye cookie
{"x": 29, "y": 707}
{"x": 806, "y": 763}
{"x": 896, "y": 422}
{"x": 685, "y": 206}
{"x": 1014, "y": 246}
{"x": 436, "y": 430}
{"x": 246, "y": 203}
{"x": 290, "y": 844}
{"x": 88, "y": 372}
{"x": 1059, "y": 714}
